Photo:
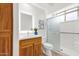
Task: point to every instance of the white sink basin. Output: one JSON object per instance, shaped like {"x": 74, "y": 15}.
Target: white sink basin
{"x": 26, "y": 37}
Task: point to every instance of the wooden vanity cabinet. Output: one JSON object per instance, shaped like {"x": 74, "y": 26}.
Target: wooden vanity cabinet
{"x": 30, "y": 47}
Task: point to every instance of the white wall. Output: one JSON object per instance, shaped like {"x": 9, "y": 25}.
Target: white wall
{"x": 15, "y": 29}
{"x": 37, "y": 15}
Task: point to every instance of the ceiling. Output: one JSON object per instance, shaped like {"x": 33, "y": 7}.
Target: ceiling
{"x": 51, "y": 7}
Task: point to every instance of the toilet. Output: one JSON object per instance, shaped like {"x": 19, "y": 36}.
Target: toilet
{"x": 47, "y": 49}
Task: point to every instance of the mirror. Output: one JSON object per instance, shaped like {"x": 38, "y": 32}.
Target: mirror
{"x": 25, "y": 22}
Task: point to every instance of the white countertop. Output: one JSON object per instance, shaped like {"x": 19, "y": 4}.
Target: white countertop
{"x": 27, "y": 37}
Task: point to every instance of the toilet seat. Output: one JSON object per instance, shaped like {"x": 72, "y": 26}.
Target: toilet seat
{"x": 48, "y": 46}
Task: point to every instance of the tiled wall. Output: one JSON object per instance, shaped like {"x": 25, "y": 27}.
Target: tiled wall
{"x": 70, "y": 42}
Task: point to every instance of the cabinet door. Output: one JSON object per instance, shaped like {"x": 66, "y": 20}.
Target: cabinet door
{"x": 26, "y": 50}
{"x": 37, "y": 49}
{"x": 6, "y": 27}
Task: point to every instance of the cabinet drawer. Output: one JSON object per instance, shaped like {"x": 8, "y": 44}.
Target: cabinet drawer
{"x": 25, "y": 42}
{"x": 38, "y": 39}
